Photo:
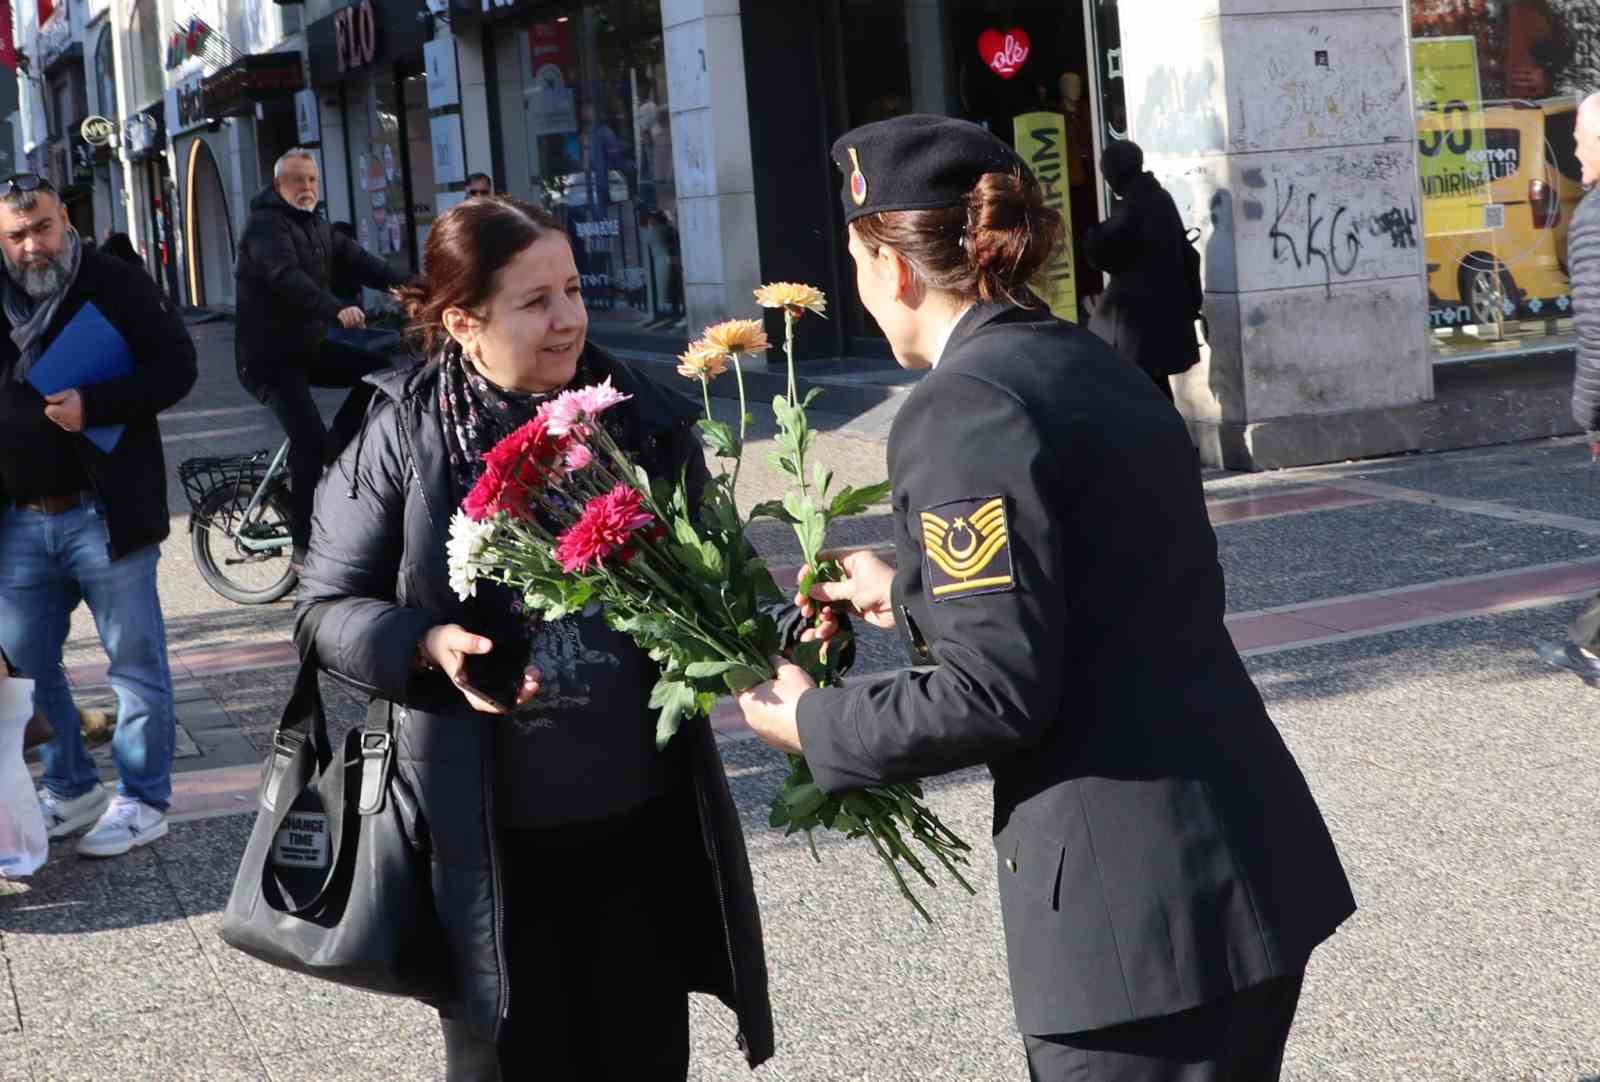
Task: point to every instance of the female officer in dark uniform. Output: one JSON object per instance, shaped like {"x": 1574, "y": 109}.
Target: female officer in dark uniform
{"x": 1164, "y": 871}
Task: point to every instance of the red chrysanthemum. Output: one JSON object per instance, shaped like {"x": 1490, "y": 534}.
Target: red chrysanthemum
{"x": 515, "y": 470}
{"x": 605, "y": 526}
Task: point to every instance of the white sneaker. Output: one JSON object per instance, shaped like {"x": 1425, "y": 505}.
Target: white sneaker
{"x": 62, "y": 817}
{"x": 125, "y": 824}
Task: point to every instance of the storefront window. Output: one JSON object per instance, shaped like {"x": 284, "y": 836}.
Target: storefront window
{"x": 391, "y": 165}
{"x": 1020, "y": 69}
{"x": 145, "y": 31}
{"x": 1497, "y": 88}
{"x": 591, "y": 85}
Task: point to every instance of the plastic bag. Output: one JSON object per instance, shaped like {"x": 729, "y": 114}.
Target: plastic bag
{"x": 23, "y": 844}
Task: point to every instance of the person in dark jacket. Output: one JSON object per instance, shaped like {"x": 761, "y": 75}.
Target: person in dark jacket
{"x": 1147, "y": 312}
{"x": 119, "y": 246}
{"x": 287, "y": 260}
{"x": 1580, "y": 654}
{"x": 81, "y": 519}
{"x": 585, "y": 882}
{"x": 1164, "y": 871}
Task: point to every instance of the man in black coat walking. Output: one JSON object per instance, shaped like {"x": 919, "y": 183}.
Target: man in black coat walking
{"x": 1147, "y": 312}
{"x": 287, "y": 261}
{"x": 83, "y": 518}
{"x": 1580, "y": 654}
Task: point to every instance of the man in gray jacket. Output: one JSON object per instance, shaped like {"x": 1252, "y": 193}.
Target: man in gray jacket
{"x": 1580, "y": 654}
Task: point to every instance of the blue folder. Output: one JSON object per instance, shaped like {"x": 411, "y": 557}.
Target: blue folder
{"x": 87, "y": 351}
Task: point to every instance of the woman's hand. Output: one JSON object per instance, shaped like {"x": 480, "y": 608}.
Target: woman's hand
{"x": 867, "y": 588}
{"x": 446, "y": 646}
{"x": 769, "y": 709}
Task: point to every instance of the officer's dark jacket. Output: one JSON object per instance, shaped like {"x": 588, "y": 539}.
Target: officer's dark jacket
{"x": 376, "y": 578}
{"x": 1158, "y": 845}
{"x": 1146, "y": 311}
{"x": 1583, "y": 264}
{"x": 287, "y": 257}
{"x": 130, "y": 480}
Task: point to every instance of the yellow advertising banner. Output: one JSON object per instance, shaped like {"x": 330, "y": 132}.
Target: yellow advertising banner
{"x": 1452, "y": 155}
{"x": 1041, "y": 141}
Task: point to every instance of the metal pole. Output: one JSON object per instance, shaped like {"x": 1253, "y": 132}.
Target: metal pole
{"x": 119, "y": 69}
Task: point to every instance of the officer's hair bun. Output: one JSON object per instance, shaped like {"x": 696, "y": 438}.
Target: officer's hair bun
{"x": 1009, "y": 234}
{"x": 989, "y": 248}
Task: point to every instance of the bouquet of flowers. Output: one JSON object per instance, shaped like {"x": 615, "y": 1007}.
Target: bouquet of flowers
{"x": 561, "y": 516}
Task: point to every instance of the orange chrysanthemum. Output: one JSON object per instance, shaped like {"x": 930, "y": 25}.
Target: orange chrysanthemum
{"x": 702, "y": 360}
{"x": 794, "y": 296}
{"x": 737, "y": 336}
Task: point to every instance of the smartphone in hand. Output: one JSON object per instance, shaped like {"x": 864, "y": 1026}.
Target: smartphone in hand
{"x": 495, "y": 676}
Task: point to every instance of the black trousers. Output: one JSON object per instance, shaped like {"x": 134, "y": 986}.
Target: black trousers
{"x": 286, "y": 391}
{"x": 1586, "y": 628}
{"x": 1237, "y": 1039}
{"x": 597, "y": 926}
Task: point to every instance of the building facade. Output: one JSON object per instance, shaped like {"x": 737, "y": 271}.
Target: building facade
{"x": 1380, "y": 190}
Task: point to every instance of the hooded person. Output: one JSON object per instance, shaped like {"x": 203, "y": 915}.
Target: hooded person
{"x": 1147, "y": 312}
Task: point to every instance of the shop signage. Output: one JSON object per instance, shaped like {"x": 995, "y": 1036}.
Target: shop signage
{"x": 1005, "y": 51}
{"x": 1041, "y": 141}
{"x": 54, "y": 38}
{"x": 141, "y": 136}
{"x": 235, "y": 89}
{"x": 355, "y": 35}
{"x": 97, "y": 130}
{"x": 491, "y": 8}
{"x": 448, "y": 166}
{"x": 1452, "y": 150}
{"x": 439, "y": 57}
{"x": 361, "y": 35}
{"x": 307, "y": 117}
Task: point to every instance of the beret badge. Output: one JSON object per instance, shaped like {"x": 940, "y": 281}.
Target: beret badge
{"x": 858, "y": 180}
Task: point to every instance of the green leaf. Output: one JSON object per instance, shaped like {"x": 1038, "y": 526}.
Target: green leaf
{"x": 643, "y": 477}
{"x": 811, "y": 396}
{"x": 853, "y": 501}
{"x": 704, "y": 670}
{"x": 822, "y": 477}
{"x": 803, "y": 800}
{"x": 782, "y": 411}
{"x": 779, "y": 814}
{"x": 797, "y": 505}
{"x": 674, "y": 698}
{"x": 741, "y": 678}
{"x": 720, "y": 437}
{"x": 812, "y": 531}
{"x": 771, "y": 509}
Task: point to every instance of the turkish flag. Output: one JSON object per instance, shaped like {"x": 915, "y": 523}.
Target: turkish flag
{"x": 8, "y": 45}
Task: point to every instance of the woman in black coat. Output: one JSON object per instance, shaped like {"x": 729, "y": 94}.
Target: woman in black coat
{"x": 585, "y": 882}
{"x": 1148, "y": 310}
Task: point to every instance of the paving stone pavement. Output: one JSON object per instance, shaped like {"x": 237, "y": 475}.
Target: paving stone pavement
{"x": 1457, "y": 775}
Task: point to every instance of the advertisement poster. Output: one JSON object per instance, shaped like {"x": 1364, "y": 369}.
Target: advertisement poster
{"x": 1452, "y": 154}
{"x": 1041, "y": 141}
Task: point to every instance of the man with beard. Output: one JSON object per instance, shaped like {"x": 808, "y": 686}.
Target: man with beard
{"x": 78, "y": 523}
{"x": 287, "y": 260}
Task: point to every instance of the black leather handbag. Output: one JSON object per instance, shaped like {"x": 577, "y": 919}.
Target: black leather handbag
{"x": 334, "y": 882}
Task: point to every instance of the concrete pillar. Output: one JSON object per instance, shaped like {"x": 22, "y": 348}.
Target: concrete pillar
{"x": 711, "y": 160}
{"x": 1285, "y": 131}
{"x": 929, "y": 52}
{"x": 476, "y": 155}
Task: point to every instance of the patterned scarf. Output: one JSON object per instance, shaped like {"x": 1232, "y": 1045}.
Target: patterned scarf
{"x": 479, "y": 414}
{"x": 30, "y": 318}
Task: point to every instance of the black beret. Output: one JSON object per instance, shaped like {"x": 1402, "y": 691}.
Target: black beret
{"x": 915, "y": 162}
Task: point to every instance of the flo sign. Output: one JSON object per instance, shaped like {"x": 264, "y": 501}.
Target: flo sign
{"x": 97, "y": 131}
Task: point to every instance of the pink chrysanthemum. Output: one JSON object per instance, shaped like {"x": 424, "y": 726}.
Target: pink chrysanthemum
{"x": 578, "y": 456}
{"x": 606, "y": 525}
{"x": 568, "y": 411}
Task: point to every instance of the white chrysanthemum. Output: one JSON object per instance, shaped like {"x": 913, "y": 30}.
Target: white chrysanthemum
{"x": 468, "y": 540}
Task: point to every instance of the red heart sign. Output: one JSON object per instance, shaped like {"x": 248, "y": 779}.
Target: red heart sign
{"x": 1005, "y": 52}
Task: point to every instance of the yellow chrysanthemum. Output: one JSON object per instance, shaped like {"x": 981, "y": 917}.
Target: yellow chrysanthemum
{"x": 737, "y": 336}
{"x": 702, "y": 361}
{"x": 795, "y": 296}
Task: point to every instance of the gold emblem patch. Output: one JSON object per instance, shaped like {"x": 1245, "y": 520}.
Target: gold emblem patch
{"x": 967, "y": 548}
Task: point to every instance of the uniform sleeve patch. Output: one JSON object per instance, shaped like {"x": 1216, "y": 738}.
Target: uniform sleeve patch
{"x": 966, "y": 548}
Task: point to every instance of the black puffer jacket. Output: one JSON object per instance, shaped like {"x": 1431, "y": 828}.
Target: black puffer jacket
{"x": 287, "y": 259}
{"x": 1146, "y": 312}
{"x": 131, "y": 479}
{"x": 1583, "y": 266}
{"x": 376, "y": 579}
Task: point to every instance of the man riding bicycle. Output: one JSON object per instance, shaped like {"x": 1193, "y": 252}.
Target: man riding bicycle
{"x": 287, "y": 260}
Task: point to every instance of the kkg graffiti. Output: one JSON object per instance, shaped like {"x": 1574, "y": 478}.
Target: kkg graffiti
{"x": 1330, "y": 235}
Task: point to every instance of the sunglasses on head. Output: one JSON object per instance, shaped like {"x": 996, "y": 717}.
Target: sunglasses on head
{"x": 24, "y": 182}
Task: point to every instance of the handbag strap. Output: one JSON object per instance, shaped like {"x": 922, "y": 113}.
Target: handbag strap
{"x": 304, "y": 718}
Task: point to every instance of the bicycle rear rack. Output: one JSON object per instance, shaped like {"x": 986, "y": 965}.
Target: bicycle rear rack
{"x": 203, "y": 476}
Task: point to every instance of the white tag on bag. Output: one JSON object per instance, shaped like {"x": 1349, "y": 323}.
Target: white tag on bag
{"x": 302, "y": 841}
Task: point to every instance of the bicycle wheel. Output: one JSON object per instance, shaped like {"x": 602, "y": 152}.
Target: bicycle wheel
{"x": 232, "y": 570}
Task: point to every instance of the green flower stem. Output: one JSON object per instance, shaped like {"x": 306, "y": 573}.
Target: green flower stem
{"x": 738, "y": 375}
{"x": 788, "y": 350}
{"x": 705, "y": 394}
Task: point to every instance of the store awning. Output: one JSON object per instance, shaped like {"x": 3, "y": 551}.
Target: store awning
{"x": 235, "y": 90}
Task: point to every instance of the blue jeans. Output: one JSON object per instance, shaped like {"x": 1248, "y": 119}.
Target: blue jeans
{"x": 48, "y": 563}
